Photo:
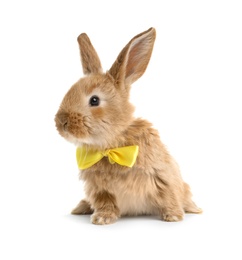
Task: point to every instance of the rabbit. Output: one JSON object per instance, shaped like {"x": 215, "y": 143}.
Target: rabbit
{"x": 96, "y": 115}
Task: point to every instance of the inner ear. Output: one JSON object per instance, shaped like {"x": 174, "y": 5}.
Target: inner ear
{"x": 89, "y": 57}
{"x": 137, "y": 61}
{"x": 133, "y": 60}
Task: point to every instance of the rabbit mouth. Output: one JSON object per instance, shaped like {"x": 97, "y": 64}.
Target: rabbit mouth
{"x": 72, "y": 124}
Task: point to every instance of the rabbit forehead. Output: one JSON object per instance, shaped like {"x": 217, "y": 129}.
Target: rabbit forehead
{"x": 87, "y": 85}
{"x": 98, "y": 86}
{"x": 92, "y": 83}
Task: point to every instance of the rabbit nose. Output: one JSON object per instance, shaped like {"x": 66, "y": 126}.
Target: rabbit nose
{"x": 65, "y": 126}
{"x": 62, "y": 118}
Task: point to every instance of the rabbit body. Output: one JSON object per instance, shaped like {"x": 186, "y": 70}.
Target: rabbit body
{"x": 96, "y": 114}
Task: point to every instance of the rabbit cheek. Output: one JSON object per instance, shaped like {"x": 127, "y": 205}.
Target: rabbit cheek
{"x": 97, "y": 113}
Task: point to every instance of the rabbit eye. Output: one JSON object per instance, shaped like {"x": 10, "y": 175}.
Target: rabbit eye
{"x": 94, "y": 101}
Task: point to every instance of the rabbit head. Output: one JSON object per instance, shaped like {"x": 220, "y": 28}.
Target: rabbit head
{"x": 96, "y": 109}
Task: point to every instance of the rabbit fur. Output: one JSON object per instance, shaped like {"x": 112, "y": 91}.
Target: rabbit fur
{"x": 153, "y": 186}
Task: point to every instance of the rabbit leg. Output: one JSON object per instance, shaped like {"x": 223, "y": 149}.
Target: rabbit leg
{"x": 171, "y": 211}
{"x": 105, "y": 208}
{"x": 166, "y": 201}
{"x": 168, "y": 208}
{"x": 82, "y": 208}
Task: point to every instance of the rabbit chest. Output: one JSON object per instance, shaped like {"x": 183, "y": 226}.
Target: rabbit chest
{"x": 131, "y": 188}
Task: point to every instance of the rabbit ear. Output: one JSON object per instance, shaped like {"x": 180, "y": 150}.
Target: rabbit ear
{"x": 134, "y": 58}
{"x": 89, "y": 58}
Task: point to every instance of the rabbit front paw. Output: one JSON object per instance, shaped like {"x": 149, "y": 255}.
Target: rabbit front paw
{"x": 103, "y": 218}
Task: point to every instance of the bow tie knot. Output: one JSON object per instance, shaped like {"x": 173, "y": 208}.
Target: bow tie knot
{"x": 125, "y": 156}
{"x": 106, "y": 153}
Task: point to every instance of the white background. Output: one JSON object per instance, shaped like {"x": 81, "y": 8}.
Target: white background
{"x": 191, "y": 92}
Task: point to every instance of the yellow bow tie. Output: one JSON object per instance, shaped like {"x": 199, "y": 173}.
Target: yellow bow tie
{"x": 125, "y": 156}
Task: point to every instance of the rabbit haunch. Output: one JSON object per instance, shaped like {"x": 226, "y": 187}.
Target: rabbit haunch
{"x": 154, "y": 184}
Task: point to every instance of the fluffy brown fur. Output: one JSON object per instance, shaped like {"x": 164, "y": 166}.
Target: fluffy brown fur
{"x": 154, "y": 184}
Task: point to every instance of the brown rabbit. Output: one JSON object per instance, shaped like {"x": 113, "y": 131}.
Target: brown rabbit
{"x": 97, "y": 117}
